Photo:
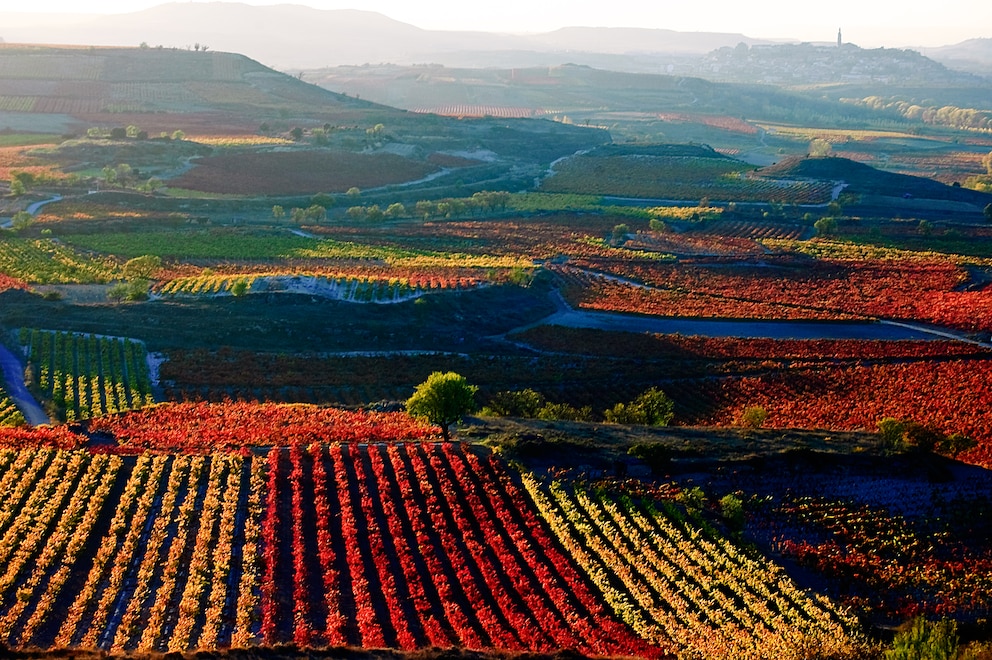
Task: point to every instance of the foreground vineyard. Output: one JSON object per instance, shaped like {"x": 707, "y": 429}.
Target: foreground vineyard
{"x": 407, "y": 546}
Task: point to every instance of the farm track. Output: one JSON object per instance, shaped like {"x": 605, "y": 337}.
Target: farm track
{"x": 13, "y": 374}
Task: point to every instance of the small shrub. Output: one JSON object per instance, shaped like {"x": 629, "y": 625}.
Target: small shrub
{"x": 692, "y": 499}
{"x": 891, "y": 430}
{"x": 563, "y": 412}
{"x": 732, "y": 510}
{"x": 752, "y": 417}
{"x": 516, "y": 403}
{"x": 650, "y": 408}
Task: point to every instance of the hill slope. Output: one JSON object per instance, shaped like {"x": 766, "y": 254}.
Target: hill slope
{"x": 62, "y": 89}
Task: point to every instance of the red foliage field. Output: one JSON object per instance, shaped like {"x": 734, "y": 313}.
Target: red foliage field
{"x": 298, "y": 172}
{"x": 952, "y": 395}
{"x": 909, "y": 290}
{"x": 206, "y": 427}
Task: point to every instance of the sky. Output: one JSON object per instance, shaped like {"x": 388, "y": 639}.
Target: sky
{"x": 867, "y": 24}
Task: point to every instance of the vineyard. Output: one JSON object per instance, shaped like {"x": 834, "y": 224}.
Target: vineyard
{"x": 913, "y": 289}
{"x": 223, "y": 285}
{"x": 347, "y": 288}
{"x": 9, "y": 414}
{"x": 88, "y": 376}
{"x": 44, "y": 261}
{"x": 679, "y": 178}
{"x": 201, "y": 551}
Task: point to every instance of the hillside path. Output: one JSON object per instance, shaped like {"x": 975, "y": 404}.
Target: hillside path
{"x": 13, "y": 376}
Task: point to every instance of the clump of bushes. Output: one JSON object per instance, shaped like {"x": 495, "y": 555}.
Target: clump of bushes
{"x": 900, "y": 435}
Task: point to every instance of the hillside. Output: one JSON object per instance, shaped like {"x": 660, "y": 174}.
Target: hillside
{"x": 62, "y": 89}
{"x": 864, "y": 180}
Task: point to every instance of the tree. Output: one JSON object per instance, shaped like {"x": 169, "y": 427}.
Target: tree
{"x": 732, "y": 510}
{"x": 324, "y": 200}
{"x": 825, "y": 226}
{"x": 178, "y": 135}
{"x": 296, "y": 133}
{"x": 374, "y": 213}
{"x": 141, "y": 268}
{"x": 354, "y": 192}
{"x": 620, "y": 234}
{"x": 316, "y": 213}
{"x": 925, "y": 640}
{"x": 820, "y": 148}
{"x": 425, "y": 209}
{"x": 442, "y": 399}
{"x": 650, "y": 408}
{"x": 21, "y": 220}
{"x": 278, "y": 212}
{"x": 516, "y": 403}
{"x": 395, "y": 210}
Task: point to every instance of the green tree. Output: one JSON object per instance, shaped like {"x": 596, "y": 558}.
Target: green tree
{"x": 374, "y": 213}
{"x": 21, "y": 220}
{"x": 925, "y": 640}
{"x": 296, "y": 133}
{"x": 141, "y": 268}
{"x": 925, "y": 228}
{"x": 442, "y": 399}
{"x": 891, "y": 430}
{"x": 825, "y": 226}
{"x": 178, "y": 135}
{"x": 425, "y": 209}
{"x": 732, "y": 510}
{"x": 516, "y": 403}
{"x": 395, "y": 210}
{"x": 354, "y": 192}
{"x": 564, "y": 412}
{"x": 316, "y": 213}
{"x": 278, "y": 212}
{"x": 651, "y": 408}
{"x": 619, "y": 234}
{"x": 324, "y": 200}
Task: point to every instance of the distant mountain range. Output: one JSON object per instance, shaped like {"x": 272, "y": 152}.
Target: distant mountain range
{"x": 973, "y": 55}
{"x": 295, "y": 37}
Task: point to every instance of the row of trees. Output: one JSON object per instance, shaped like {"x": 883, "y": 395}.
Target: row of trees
{"x": 479, "y": 203}
{"x": 444, "y": 398}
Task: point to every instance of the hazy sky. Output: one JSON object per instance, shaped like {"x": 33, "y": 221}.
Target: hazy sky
{"x": 868, "y": 24}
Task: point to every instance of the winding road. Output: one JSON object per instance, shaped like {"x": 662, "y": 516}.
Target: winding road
{"x": 13, "y": 376}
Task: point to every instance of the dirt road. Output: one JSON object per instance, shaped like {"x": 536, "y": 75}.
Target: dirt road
{"x": 13, "y": 377}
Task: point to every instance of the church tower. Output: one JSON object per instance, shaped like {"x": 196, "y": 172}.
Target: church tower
{"x": 839, "y": 40}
